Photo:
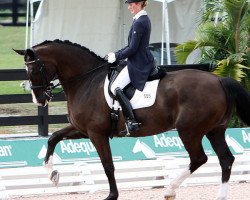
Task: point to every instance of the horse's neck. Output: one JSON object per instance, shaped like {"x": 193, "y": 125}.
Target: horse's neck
{"x": 77, "y": 65}
{"x": 80, "y": 72}
{"x": 74, "y": 66}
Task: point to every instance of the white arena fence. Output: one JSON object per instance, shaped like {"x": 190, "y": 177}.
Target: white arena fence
{"x": 84, "y": 177}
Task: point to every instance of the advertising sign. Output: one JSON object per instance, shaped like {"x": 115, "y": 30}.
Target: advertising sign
{"x": 31, "y": 152}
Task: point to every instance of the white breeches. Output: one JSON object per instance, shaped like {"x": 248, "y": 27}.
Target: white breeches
{"x": 121, "y": 81}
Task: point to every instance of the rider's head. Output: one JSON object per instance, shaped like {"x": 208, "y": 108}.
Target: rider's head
{"x": 136, "y": 5}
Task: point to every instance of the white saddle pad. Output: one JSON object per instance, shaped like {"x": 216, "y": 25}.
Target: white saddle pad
{"x": 140, "y": 99}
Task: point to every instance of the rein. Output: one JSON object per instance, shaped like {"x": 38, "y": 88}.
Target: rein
{"x": 83, "y": 76}
{"x": 47, "y": 85}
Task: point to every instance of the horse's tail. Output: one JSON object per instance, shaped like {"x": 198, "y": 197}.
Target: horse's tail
{"x": 237, "y": 95}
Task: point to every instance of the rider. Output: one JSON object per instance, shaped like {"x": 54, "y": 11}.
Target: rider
{"x": 140, "y": 61}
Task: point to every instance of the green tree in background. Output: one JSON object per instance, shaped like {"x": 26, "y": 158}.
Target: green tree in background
{"x": 223, "y": 38}
{"x": 224, "y": 42}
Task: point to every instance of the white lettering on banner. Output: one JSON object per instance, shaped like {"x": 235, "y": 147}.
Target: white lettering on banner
{"x": 164, "y": 141}
{"x": 77, "y": 147}
{"x": 5, "y": 151}
{"x": 245, "y": 136}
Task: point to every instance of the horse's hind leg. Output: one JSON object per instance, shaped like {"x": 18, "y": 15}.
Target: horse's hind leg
{"x": 68, "y": 132}
{"x": 197, "y": 158}
{"x": 226, "y": 159}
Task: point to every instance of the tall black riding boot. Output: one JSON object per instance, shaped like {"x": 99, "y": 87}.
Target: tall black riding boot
{"x": 131, "y": 123}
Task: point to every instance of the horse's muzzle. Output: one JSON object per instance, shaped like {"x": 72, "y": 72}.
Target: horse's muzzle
{"x": 43, "y": 99}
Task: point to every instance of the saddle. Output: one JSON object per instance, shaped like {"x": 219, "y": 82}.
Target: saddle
{"x": 156, "y": 74}
{"x": 129, "y": 90}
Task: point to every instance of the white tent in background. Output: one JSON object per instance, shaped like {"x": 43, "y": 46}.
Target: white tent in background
{"x": 165, "y": 30}
{"x": 103, "y": 26}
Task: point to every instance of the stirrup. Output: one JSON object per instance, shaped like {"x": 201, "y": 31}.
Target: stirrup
{"x": 131, "y": 126}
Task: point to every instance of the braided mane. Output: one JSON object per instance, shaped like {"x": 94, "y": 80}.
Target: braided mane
{"x": 67, "y": 42}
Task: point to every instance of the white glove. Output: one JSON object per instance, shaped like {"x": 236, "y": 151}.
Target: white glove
{"x": 111, "y": 57}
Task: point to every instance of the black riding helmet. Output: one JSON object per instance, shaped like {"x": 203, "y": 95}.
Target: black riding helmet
{"x": 133, "y": 1}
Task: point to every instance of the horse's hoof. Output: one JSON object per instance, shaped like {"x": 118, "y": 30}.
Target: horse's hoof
{"x": 169, "y": 198}
{"x": 54, "y": 177}
{"x": 112, "y": 197}
{"x": 220, "y": 198}
{"x": 170, "y": 194}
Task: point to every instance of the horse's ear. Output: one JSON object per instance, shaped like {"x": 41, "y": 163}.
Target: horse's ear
{"x": 27, "y": 52}
{"x": 20, "y": 52}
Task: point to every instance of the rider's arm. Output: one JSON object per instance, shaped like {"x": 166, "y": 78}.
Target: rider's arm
{"x": 136, "y": 35}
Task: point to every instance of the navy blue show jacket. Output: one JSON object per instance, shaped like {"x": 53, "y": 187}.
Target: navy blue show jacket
{"x": 140, "y": 60}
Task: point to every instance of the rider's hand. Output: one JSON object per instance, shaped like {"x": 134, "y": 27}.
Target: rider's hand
{"x": 111, "y": 57}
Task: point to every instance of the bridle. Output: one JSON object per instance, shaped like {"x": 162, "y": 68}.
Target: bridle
{"x": 46, "y": 85}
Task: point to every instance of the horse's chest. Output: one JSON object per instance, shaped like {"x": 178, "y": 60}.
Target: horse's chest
{"x": 78, "y": 115}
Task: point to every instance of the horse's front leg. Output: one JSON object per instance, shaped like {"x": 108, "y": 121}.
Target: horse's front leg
{"x": 101, "y": 143}
{"x": 68, "y": 132}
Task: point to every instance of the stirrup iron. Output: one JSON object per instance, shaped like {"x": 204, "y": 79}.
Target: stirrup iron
{"x": 128, "y": 133}
{"x": 134, "y": 125}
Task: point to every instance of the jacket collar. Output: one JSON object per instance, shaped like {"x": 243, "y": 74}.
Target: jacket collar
{"x": 141, "y": 13}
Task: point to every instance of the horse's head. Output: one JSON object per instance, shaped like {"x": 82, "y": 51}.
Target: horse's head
{"x": 71, "y": 62}
{"x": 40, "y": 73}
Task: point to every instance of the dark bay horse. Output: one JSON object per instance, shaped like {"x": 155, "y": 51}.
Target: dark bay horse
{"x": 194, "y": 102}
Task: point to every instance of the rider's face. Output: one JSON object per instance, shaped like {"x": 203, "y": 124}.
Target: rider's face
{"x": 134, "y": 8}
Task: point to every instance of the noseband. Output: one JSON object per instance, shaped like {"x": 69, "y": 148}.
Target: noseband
{"x": 47, "y": 86}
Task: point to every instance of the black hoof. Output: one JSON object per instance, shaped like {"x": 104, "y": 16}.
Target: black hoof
{"x": 112, "y": 197}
